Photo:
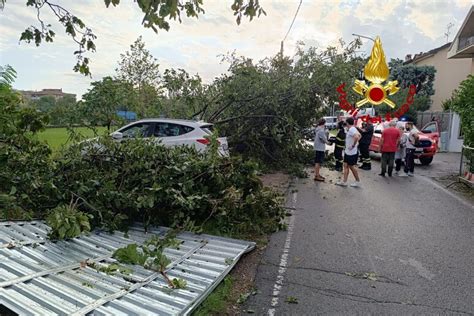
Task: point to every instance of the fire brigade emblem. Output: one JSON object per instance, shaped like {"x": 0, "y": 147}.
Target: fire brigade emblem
{"x": 376, "y": 72}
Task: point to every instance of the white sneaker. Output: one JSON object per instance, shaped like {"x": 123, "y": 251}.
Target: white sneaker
{"x": 342, "y": 184}
{"x": 403, "y": 174}
{"x": 355, "y": 184}
{"x": 410, "y": 174}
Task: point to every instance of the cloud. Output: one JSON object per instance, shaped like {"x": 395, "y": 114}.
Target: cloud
{"x": 406, "y": 26}
{"x": 375, "y": 10}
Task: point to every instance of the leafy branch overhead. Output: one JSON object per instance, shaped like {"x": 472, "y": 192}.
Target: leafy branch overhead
{"x": 157, "y": 14}
{"x": 74, "y": 27}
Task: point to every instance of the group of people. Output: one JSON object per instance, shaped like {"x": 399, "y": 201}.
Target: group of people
{"x": 352, "y": 143}
{"x": 398, "y": 147}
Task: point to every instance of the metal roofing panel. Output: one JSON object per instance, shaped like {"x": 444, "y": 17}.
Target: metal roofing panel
{"x": 38, "y": 276}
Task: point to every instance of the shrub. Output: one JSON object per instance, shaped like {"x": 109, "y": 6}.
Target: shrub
{"x": 141, "y": 181}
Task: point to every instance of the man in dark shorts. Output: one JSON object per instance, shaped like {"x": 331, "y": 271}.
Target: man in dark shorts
{"x": 351, "y": 154}
{"x": 320, "y": 141}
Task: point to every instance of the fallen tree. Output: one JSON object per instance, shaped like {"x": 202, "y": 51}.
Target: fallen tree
{"x": 102, "y": 183}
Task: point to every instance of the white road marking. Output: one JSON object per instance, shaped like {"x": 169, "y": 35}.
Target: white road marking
{"x": 277, "y": 286}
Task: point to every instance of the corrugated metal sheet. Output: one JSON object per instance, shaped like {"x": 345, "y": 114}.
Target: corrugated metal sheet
{"x": 40, "y": 277}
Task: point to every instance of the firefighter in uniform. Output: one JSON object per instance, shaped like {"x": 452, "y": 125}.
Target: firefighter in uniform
{"x": 339, "y": 145}
{"x": 366, "y": 132}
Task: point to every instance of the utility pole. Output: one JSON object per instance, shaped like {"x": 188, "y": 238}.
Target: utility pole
{"x": 289, "y": 29}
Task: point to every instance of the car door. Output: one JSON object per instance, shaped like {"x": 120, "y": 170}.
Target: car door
{"x": 431, "y": 130}
{"x": 171, "y": 134}
{"x": 137, "y": 130}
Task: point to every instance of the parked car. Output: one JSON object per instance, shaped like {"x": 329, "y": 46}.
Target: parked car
{"x": 425, "y": 151}
{"x": 170, "y": 132}
{"x": 331, "y": 122}
{"x": 309, "y": 133}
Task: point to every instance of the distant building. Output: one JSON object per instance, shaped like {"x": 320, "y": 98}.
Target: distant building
{"x": 35, "y": 95}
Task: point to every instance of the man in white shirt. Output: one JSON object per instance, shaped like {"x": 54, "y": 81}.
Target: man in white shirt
{"x": 350, "y": 154}
{"x": 410, "y": 149}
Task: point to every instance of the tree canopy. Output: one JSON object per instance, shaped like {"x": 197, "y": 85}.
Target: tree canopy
{"x": 462, "y": 102}
{"x": 106, "y": 96}
{"x": 140, "y": 69}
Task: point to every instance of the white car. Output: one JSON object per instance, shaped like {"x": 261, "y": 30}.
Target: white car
{"x": 331, "y": 122}
{"x": 170, "y": 132}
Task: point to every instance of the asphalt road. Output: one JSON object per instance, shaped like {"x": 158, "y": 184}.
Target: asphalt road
{"x": 395, "y": 246}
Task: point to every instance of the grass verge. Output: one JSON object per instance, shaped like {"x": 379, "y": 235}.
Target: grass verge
{"x": 216, "y": 303}
{"x": 55, "y": 137}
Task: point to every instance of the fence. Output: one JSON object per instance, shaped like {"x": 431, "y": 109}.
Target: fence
{"x": 466, "y": 166}
{"x": 444, "y": 119}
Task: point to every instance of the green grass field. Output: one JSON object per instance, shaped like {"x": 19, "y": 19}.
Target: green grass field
{"x": 57, "y": 136}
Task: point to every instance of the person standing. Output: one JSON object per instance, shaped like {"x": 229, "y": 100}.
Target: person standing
{"x": 320, "y": 141}
{"x": 339, "y": 145}
{"x": 388, "y": 146}
{"x": 401, "y": 152}
{"x": 350, "y": 154}
{"x": 366, "y": 133}
{"x": 413, "y": 138}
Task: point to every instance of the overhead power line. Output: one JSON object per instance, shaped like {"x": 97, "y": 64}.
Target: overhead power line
{"x": 292, "y": 22}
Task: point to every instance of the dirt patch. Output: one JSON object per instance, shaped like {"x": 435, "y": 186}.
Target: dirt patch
{"x": 452, "y": 183}
{"x": 245, "y": 270}
{"x": 278, "y": 181}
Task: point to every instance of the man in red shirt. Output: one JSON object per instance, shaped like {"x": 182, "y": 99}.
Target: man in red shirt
{"x": 388, "y": 146}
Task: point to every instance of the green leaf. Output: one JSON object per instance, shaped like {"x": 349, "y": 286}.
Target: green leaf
{"x": 179, "y": 283}
{"x": 130, "y": 254}
{"x": 291, "y": 300}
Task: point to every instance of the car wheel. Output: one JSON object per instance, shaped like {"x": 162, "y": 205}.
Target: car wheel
{"x": 426, "y": 160}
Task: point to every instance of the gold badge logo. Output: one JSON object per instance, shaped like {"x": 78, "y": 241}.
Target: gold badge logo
{"x": 376, "y": 72}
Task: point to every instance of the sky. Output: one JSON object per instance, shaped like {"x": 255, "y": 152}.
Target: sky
{"x": 197, "y": 45}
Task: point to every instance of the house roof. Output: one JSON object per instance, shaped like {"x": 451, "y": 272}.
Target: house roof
{"x": 39, "y": 276}
{"x": 469, "y": 19}
{"x": 420, "y": 57}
